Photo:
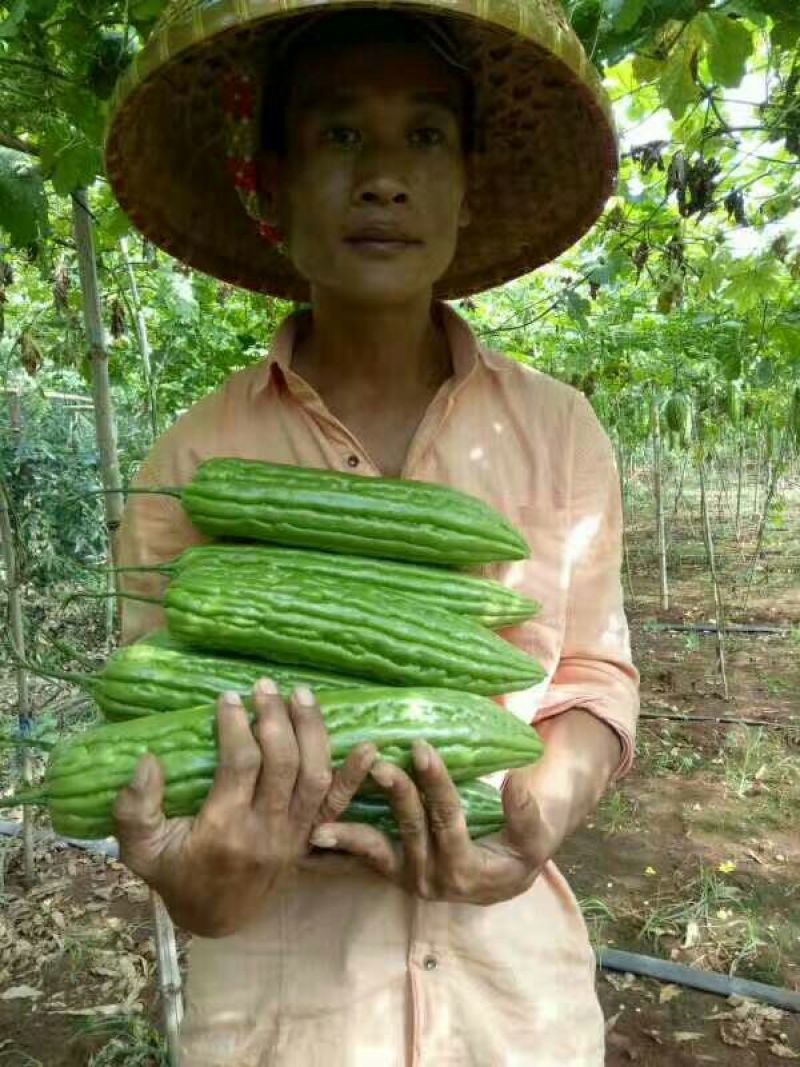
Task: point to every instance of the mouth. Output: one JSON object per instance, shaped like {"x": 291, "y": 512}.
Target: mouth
{"x": 381, "y": 243}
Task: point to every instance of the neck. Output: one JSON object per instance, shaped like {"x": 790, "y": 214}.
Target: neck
{"x": 399, "y": 348}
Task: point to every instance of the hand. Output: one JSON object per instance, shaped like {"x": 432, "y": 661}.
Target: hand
{"x": 437, "y": 860}
{"x": 273, "y": 784}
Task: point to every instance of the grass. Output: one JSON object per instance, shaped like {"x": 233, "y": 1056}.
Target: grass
{"x": 760, "y": 758}
{"x": 667, "y": 753}
{"x": 132, "y": 1041}
{"x": 616, "y": 812}
{"x": 598, "y": 916}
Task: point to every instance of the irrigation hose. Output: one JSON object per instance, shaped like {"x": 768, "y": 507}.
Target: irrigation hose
{"x": 724, "y": 985}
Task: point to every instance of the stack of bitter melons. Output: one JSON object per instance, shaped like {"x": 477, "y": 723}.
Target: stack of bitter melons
{"x": 351, "y": 585}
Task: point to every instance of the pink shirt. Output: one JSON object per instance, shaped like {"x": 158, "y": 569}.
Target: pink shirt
{"x": 345, "y": 969}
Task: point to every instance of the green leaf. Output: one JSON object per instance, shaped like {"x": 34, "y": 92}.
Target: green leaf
{"x": 676, "y": 85}
{"x": 9, "y": 27}
{"x": 578, "y": 307}
{"x": 785, "y": 35}
{"x": 85, "y": 111}
{"x": 115, "y": 223}
{"x": 41, "y": 10}
{"x": 624, "y": 13}
{"x": 730, "y": 45}
{"x": 144, "y": 10}
{"x": 646, "y": 69}
{"x": 23, "y": 205}
{"x": 68, "y": 160}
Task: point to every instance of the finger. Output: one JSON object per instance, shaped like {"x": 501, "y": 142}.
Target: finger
{"x": 409, "y": 814}
{"x": 139, "y": 818}
{"x": 314, "y": 776}
{"x": 239, "y": 759}
{"x": 524, "y": 828}
{"x": 347, "y": 781}
{"x": 280, "y": 758}
{"x": 444, "y": 811}
{"x": 364, "y": 842}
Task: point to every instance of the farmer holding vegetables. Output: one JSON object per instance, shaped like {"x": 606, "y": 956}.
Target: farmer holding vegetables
{"x": 369, "y": 163}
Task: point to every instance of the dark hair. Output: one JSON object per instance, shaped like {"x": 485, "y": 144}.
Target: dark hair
{"x": 341, "y": 29}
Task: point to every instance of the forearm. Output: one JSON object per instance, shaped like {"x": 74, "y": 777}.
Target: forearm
{"x": 581, "y": 754}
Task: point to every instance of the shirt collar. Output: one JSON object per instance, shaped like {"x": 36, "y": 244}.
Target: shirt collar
{"x": 465, "y": 349}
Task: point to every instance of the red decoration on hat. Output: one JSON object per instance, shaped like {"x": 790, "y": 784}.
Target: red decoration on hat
{"x": 238, "y": 98}
{"x": 269, "y": 233}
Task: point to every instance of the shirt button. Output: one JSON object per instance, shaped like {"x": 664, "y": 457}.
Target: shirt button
{"x": 430, "y": 963}
{"x": 352, "y": 460}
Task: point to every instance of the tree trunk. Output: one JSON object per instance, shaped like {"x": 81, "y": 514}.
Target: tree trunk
{"x": 142, "y": 338}
{"x": 105, "y": 426}
{"x": 17, "y": 632}
{"x": 655, "y": 432}
{"x": 718, "y": 605}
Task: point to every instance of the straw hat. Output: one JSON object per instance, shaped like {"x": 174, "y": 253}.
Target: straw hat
{"x": 547, "y": 150}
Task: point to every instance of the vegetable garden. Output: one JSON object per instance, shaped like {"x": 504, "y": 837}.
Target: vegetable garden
{"x": 678, "y": 317}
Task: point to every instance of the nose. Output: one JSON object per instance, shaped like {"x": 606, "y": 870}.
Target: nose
{"x": 381, "y": 180}
{"x": 382, "y": 191}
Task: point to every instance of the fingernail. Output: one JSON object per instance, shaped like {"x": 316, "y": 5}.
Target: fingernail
{"x": 304, "y": 696}
{"x": 232, "y": 699}
{"x": 323, "y": 838}
{"x": 382, "y": 773}
{"x": 422, "y": 755}
{"x": 142, "y": 774}
{"x": 265, "y": 687}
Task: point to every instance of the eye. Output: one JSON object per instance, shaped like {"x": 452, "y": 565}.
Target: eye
{"x": 343, "y": 136}
{"x": 428, "y": 136}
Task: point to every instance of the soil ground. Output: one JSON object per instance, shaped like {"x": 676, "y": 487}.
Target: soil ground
{"x": 695, "y": 856}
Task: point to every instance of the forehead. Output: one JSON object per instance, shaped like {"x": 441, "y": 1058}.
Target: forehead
{"x": 323, "y": 77}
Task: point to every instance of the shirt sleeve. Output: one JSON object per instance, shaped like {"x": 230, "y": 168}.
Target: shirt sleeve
{"x": 155, "y": 529}
{"x": 595, "y": 670}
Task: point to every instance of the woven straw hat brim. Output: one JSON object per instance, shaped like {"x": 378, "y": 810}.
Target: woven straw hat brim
{"x": 546, "y": 165}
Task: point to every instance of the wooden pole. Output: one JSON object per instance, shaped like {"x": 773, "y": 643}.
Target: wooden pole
{"x": 141, "y": 335}
{"x": 737, "y": 523}
{"x": 714, "y": 580}
{"x": 105, "y": 425}
{"x": 655, "y": 433}
{"x": 169, "y": 975}
{"x": 23, "y": 692}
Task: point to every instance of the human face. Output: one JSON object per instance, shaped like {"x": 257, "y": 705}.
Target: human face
{"x": 372, "y": 191}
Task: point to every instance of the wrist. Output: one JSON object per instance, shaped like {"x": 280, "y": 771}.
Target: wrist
{"x": 580, "y": 757}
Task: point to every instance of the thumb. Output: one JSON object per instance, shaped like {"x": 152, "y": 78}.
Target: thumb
{"x": 525, "y": 828}
{"x": 139, "y": 818}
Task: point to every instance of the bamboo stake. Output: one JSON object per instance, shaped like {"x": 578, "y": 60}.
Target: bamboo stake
{"x": 169, "y": 975}
{"x": 23, "y": 692}
{"x": 655, "y": 433}
{"x": 105, "y": 425}
{"x": 714, "y": 581}
{"x": 737, "y": 525}
{"x": 776, "y": 470}
{"x": 624, "y": 494}
{"x": 141, "y": 336}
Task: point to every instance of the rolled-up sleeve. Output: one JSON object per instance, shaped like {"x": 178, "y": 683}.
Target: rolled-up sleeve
{"x": 595, "y": 670}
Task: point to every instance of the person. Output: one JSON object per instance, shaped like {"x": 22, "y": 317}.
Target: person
{"x": 373, "y": 164}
